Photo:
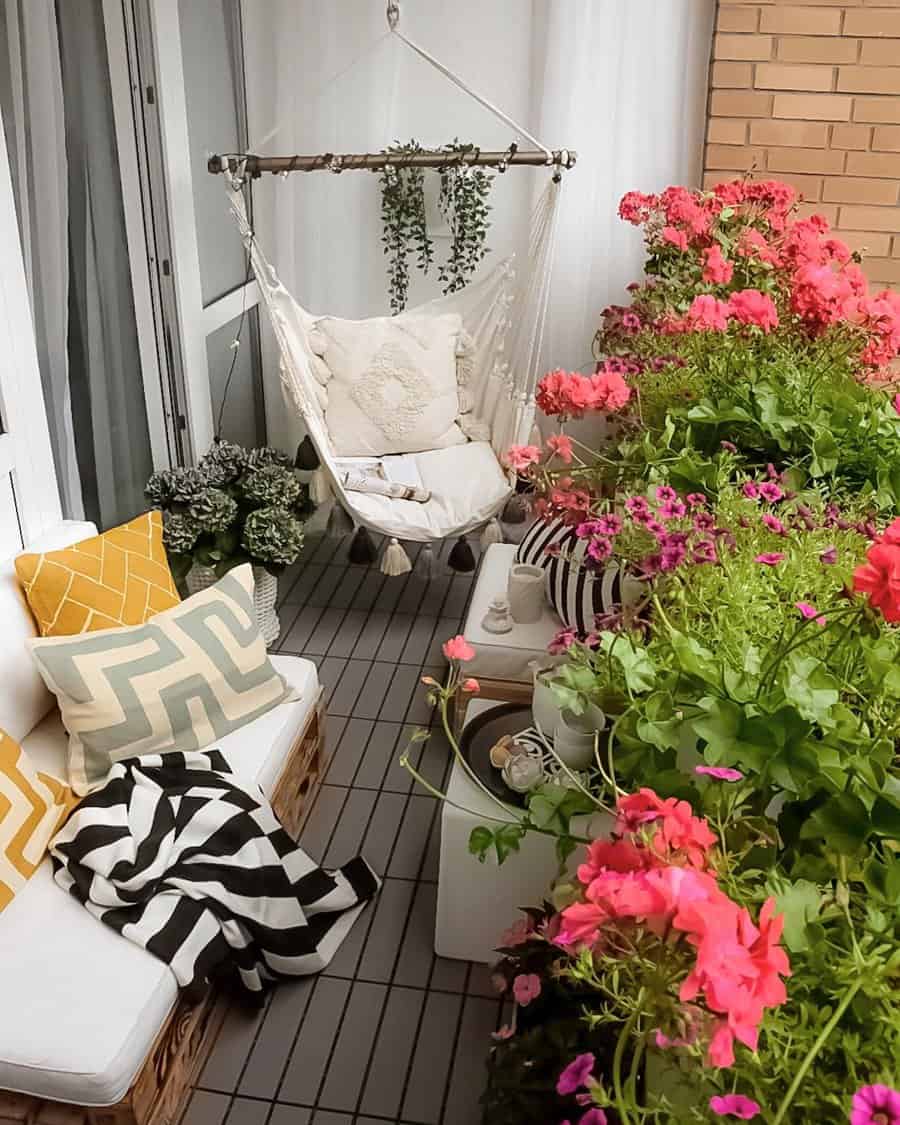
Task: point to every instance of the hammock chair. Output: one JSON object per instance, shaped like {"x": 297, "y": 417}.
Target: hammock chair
{"x": 503, "y": 319}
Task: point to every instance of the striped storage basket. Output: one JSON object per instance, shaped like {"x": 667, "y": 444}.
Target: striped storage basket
{"x": 578, "y": 595}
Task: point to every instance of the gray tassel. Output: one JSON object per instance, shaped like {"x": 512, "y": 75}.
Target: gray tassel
{"x": 339, "y": 523}
{"x": 395, "y": 560}
{"x": 491, "y": 533}
{"x": 362, "y": 549}
{"x": 461, "y": 558}
{"x": 517, "y": 509}
{"x": 307, "y": 458}
{"x": 319, "y": 487}
{"x": 425, "y": 565}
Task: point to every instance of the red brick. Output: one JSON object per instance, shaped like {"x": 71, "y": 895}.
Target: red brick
{"x": 879, "y": 52}
{"x": 815, "y": 107}
{"x": 740, "y": 103}
{"x": 886, "y": 139}
{"x": 738, "y": 19}
{"x": 733, "y": 75}
{"x": 784, "y": 76}
{"x": 735, "y": 156}
{"x": 861, "y": 21}
{"x": 726, "y": 131}
{"x": 805, "y": 160}
{"x": 828, "y": 210}
{"x": 884, "y": 270}
{"x": 877, "y": 110}
{"x": 742, "y": 47}
{"x": 800, "y": 20}
{"x": 867, "y": 241}
{"x": 869, "y": 79}
{"x": 851, "y": 136}
{"x": 817, "y": 49}
{"x": 871, "y": 218}
{"x": 856, "y": 189}
{"x": 884, "y": 164}
{"x": 807, "y": 134}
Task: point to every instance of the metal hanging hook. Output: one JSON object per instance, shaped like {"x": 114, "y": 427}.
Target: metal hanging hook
{"x": 393, "y": 14}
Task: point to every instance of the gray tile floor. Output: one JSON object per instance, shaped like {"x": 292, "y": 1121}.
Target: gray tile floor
{"x": 389, "y": 1032}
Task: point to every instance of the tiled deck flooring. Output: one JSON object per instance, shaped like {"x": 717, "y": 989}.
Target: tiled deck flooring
{"x": 389, "y": 1032}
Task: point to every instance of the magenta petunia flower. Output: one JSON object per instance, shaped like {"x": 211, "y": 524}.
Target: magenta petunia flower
{"x": 526, "y": 987}
{"x": 875, "y": 1105}
{"x": 771, "y": 492}
{"x": 728, "y": 446}
{"x": 734, "y": 1105}
{"x": 769, "y": 558}
{"x": 829, "y": 556}
{"x": 774, "y": 524}
{"x": 593, "y": 1117}
{"x": 576, "y": 1074}
{"x": 751, "y": 490}
{"x": 720, "y": 773}
{"x": 810, "y": 612}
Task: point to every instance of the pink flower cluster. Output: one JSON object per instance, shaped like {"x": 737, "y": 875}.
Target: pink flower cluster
{"x": 570, "y": 394}
{"x": 709, "y": 314}
{"x": 655, "y": 873}
{"x": 684, "y": 531}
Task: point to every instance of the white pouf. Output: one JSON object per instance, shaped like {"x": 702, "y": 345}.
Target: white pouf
{"x": 477, "y": 901}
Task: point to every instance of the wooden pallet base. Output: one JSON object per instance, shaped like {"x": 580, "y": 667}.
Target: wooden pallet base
{"x": 160, "y": 1090}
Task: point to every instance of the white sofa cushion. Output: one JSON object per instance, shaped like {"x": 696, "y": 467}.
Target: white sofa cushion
{"x": 504, "y": 656}
{"x": 81, "y": 1005}
{"x": 24, "y": 698}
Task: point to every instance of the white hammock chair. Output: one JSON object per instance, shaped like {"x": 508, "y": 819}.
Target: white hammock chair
{"x": 468, "y": 486}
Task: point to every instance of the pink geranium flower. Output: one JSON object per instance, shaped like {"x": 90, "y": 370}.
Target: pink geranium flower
{"x": 471, "y": 685}
{"x": 734, "y": 1105}
{"x": 749, "y": 306}
{"x": 458, "y": 648}
{"x": 526, "y": 987}
{"x": 520, "y": 931}
{"x": 561, "y": 446}
{"x": 716, "y": 269}
{"x": 519, "y": 457}
{"x": 769, "y": 558}
{"x": 875, "y": 1105}
{"x": 576, "y": 1074}
{"x": 720, "y": 773}
{"x": 707, "y": 314}
{"x": 676, "y": 238}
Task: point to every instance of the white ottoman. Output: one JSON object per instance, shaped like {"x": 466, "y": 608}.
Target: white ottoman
{"x": 502, "y": 661}
{"x": 477, "y": 901}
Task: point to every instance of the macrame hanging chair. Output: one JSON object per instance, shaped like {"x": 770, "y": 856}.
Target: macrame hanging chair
{"x": 504, "y": 318}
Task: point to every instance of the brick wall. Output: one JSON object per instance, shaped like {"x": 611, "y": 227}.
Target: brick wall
{"x": 810, "y": 93}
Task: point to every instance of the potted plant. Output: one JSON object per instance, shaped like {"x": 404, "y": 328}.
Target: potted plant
{"x": 236, "y": 506}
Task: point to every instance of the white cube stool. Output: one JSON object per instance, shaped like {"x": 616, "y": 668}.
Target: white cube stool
{"x": 477, "y": 901}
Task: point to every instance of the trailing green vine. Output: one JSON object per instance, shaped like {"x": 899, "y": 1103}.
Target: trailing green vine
{"x": 463, "y": 203}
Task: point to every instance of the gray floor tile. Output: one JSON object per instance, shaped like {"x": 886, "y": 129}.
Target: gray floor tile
{"x": 326, "y": 1117}
{"x": 206, "y": 1108}
{"x": 431, "y": 866}
{"x": 398, "y": 779}
{"x": 411, "y": 598}
{"x": 347, "y": 636}
{"x": 390, "y": 593}
{"x": 393, "y": 1052}
{"x": 331, "y": 672}
{"x": 273, "y": 1044}
{"x": 370, "y": 637}
{"x": 409, "y": 851}
{"x": 324, "y": 633}
{"x": 334, "y": 732}
{"x": 304, "y": 586}
{"x": 344, "y": 962}
{"x": 431, "y": 1062}
{"x": 369, "y": 590}
{"x": 226, "y": 1060}
{"x": 351, "y": 828}
{"x": 347, "y": 1068}
{"x": 480, "y": 983}
{"x": 328, "y": 583}
{"x": 290, "y": 1115}
{"x": 467, "y": 1079}
{"x": 371, "y": 697}
{"x": 395, "y": 637}
{"x": 248, "y": 1111}
{"x": 386, "y": 934}
{"x": 343, "y": 596}
{"x": 435, "y": 594}
{"x": 294, "y": 640}
{"x": 325, "y": 550}
{"x": 399, "y": 695}
{"x": 381, "y": 833}
{"x": 350, "y": 751}
{"x": 446, "y": 628}
{"x": 417, "y": 951}
{"x": 312, "y": 1050}
{"x": 458, "y": 596}
{"x": 379, "y": 755}
{"x": 419, "y": 639}
{"x": 436, "y": 758}
{"x": 448, "y": 975}
{"x": 346, "y": 694}
{"x": 323, "y": 817}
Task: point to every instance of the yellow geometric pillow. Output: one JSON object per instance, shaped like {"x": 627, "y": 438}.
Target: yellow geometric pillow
{"x": 33, "y": 807}
{"x": 118, "y": 578}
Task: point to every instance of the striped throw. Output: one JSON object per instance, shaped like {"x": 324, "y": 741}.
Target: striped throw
{"x": 180, "y": 858}
{"x": 186, "y": 678}
{"x": 576, "y": 594}
{"x": 32, "y": 806}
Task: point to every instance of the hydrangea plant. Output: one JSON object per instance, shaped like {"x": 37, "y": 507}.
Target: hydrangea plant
{"x": 236, "y": 506}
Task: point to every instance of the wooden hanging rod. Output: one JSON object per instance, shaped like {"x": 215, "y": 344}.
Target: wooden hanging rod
{"x": 376, "y": 161}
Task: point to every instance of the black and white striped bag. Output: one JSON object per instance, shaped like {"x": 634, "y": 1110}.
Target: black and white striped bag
{"x": 577, "y": 594}
{"x": 182, "y": 859}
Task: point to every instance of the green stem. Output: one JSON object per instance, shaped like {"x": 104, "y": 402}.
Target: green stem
{"x": 617, "y": 1059}
{"x": 814, "y": 1050}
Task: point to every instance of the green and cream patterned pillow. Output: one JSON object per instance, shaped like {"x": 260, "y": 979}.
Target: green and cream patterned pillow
{"x": 184, "y": 679}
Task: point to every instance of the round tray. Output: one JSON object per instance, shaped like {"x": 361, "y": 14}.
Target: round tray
{"x": 481, "y": 733}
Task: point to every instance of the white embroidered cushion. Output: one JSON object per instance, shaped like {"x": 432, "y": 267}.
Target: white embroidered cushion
{"x": 393, "y": 384}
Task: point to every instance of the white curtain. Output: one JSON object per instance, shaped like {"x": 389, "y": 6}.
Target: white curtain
{"x": 32, "y": 104}
{"x": 621, "y": 81}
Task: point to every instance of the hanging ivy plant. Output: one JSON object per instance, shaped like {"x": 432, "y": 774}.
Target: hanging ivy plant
{"x": 463, "y": 203}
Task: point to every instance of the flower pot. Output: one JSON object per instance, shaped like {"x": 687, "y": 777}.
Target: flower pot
{"x": 525, "y": 592}
{"x": 265, "y": 595}
{"x": 574, "y": 735}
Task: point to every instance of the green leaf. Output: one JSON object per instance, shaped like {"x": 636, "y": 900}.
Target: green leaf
{"x": 811, "y": 688}
{"x": 842, "y": 823}
{"x": 886, "y": 817}
{"x": 799, "y": 902}
{"x": 694, "y": 659}
{"x": 826, "y": 454}
{"x": 507, "y": 840}
{"x": 636, "y": 663}
{"x": 480, "y": 840}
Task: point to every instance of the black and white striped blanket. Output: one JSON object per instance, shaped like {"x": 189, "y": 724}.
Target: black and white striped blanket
{"x": 182, "y": 859}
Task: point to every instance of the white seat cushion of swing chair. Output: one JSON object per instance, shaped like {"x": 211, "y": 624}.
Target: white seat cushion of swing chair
{"x": 393, "y": 385}
{"x": 505, "y": 656}
{"x": 467, "y": 487}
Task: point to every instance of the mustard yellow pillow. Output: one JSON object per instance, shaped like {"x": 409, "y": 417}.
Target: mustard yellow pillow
{"x": 33, "y": 807}
{"x": 115, "y": 579}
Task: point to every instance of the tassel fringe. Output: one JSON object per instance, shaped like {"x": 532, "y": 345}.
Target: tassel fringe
{"x": 307, "y": 459}
{"x": 362, "y": 549}
{"x": 425, "y": 566}
{"x": 491, "y": 533}
{"x": 319, "y": 487}
{"x": 339, "y": 523}
{"x": 461, "y": 558}
{"x": 516, "y": 510}
{"x": 395, "y": 560}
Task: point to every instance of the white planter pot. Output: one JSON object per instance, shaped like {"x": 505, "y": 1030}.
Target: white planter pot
{"x": 265, "y": 595}
{"x": 572, "y": 735}
{"x": 525, "y": 591}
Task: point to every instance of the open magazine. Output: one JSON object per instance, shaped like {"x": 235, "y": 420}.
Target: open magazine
{"x": 395, "y": 477}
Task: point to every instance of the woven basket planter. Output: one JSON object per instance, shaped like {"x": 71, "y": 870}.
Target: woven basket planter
{"x": 265, "y": 595}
